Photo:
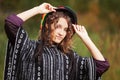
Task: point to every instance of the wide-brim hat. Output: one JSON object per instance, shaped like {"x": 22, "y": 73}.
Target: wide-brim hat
{"x": 64, "y": 9}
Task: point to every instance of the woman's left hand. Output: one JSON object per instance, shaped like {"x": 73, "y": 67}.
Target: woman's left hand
{"x": 81, "y": 31}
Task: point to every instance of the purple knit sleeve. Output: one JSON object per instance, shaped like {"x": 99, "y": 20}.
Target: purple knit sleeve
{"x": 15, "y": 20}
{"x": 12, "y": 24}
{"x": 101, "y": 66}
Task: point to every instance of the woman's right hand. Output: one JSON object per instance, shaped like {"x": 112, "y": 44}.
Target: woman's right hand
{"x": 45, "y": 8}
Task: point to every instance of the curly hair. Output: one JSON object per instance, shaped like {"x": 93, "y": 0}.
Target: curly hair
{"x": 45, "y": 35}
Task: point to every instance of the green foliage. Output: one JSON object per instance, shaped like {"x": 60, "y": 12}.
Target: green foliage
{"x": 110, "y": 5}
{"x": 8, "y": 5}
{"x": 110, "y": 15}
{"x": 57, "y": 2}
{"x": 79, "y": 47}
{"x": 80, "y": 5}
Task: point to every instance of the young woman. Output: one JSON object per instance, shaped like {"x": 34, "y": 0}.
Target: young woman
{"x": 51, "y": 57}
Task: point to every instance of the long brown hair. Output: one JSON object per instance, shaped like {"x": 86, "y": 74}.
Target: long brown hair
{"x": 45, "y": 35}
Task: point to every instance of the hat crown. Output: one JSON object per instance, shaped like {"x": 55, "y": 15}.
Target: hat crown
{"x": 65, "y": 9}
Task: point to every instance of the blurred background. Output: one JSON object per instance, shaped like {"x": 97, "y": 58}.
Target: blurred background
{"x": 100, "y": 17}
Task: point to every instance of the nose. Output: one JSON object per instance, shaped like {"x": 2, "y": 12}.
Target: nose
{"x": 62, "y": 32}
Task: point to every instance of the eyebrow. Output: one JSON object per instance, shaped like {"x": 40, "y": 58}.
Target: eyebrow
{"x": 61, "y": 26}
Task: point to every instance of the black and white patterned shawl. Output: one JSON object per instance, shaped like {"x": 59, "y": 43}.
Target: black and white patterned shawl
{"x": 20, "y": 63}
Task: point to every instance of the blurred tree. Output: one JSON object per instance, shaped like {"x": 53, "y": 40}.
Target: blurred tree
{"x": 57, "y": 2}
{"x": 110, "y": 5}
{"x": 110, "y": 14}
{"x": 80, "y": 5}
{"x": 7, "y": 5}
{"x": 14, "y": 5}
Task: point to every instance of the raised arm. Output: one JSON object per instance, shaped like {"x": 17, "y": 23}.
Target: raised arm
{"x": 13, "y": 22}
{"x": 43, "y": 8}
{"x": 82, "y": 33}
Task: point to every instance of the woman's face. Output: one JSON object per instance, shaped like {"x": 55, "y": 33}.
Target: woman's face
{"x": 60, "y": 30}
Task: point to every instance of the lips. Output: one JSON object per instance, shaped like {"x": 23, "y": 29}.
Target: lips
{"x": 59, "y": 37}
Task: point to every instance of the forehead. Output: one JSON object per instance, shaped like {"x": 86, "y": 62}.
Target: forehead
{"x": 62, "y": 22}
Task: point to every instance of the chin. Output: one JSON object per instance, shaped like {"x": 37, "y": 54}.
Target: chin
{"x": 57, "y": 42}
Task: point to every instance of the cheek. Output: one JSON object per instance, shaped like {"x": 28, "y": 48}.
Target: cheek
{"x": 53, "y": 34}
{"x": 65, "y": 33}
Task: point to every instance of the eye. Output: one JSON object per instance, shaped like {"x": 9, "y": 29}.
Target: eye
{"x": 57, "y": 26}
{"x": 66, "y": 29}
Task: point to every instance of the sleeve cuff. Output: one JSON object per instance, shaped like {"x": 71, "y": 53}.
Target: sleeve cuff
{"x": 14, "y": 19}
{"x": 101, "y": 66}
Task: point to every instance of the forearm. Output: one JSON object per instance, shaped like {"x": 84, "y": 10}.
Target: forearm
{"x": 93, "y": 49}
{"x": 28, "y": 14}
{"x": 82, "y": 33}
{"x": 41, "y": 9}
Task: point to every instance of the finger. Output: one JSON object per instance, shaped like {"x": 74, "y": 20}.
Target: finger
{"x": 51, "y": 8}
{"x": 47, "y": 7}
{"x": 75, "y": 27}
{"x": 54, "y": 7}
{"x": 83, "y": 27}
{"x": 78, "y": 27}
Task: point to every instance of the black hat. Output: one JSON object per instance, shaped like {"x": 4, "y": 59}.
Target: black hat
{"x": 64, "y": 9}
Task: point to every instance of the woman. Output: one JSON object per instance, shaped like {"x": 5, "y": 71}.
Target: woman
{"x": 51, "y": 57}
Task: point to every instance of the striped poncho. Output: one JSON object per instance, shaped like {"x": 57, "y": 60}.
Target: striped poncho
{"x": 21, "y": 63}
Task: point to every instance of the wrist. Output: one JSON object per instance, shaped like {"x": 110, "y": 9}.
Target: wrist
{"x": 85, "y": 38}
{"x": 36, "y": 10}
